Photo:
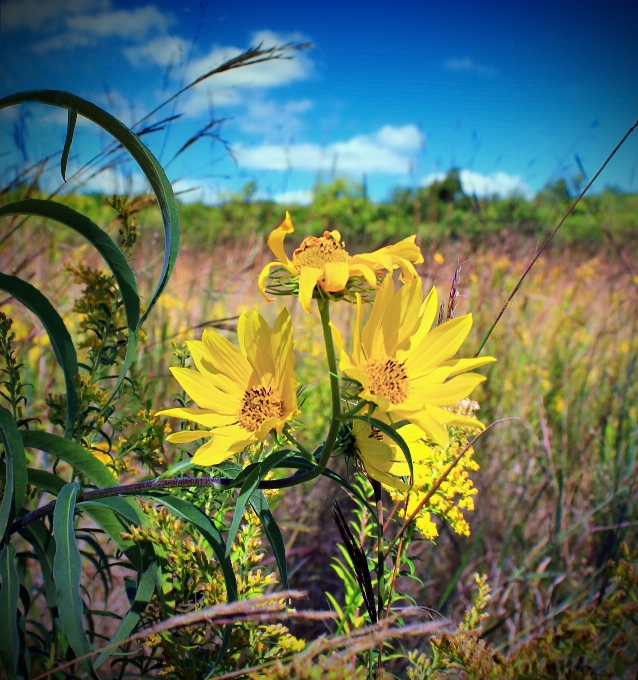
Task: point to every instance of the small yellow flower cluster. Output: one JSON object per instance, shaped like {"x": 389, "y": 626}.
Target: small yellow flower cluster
{"x": 454, "y": 495}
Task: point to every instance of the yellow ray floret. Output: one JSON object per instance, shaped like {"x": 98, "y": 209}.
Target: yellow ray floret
{"x": 242, "y": 393}
{"x": 323, "y": 261}
{"x": 405, "y": 366}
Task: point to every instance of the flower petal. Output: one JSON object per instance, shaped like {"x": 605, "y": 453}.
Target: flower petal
{"x": 202, "y": 391}
{"x": 276, "y": 239}
{"x": 200, "y": 416}
{"x": 438, "y": 345}
{"x": 254, "y": 335}
{"x": 199, "y": 354}
{"x": 463, "y": 365}
{"x": 452, "y": 391}
{"x": 308, "y": 277}
{"x": 226, "y": 358}
{"x": 335, "y": 276}
{"x": 186, "y": 436}
{"x": 220, "y": 448}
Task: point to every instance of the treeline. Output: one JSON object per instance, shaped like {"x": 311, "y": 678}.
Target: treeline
{"x": 439, "y": 212}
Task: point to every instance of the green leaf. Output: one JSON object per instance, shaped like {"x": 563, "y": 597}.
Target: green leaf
{"x": 145, "y": 589}
{"x": 16, "y": 470}
{"x": 260, "y": 505}
{"x": 273, "y": 533}
{"x": 258, "y": 473}
{"x": 72, "y": 119}
{"x": 112, "y": 255}
{"x": 9, "y": 594}
{"x": 67, "y": 574}
{"x": 39, "y": 478}
{"x": 209, "y": 531}
{"x": 144, "y": 158}
{"x": 58, "y": 334}
{"x": 73, "y": 454}
{"x": 394, "y": 436}
{"x": 44, "y": 546}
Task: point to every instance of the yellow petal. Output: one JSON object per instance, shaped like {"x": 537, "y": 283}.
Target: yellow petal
{"x": 431, "y": 426}
{"x": 365, "y": 271}
{"x": 226, "y": 357}
{"x": 220, "y": 448}
{"x": 202, "y": 392}
{"x": 186, "y": 436}
{"x": 335, "y": 276}
{"x": 371, "y": 339}
{"x": 308, "y": 277}
{"x": 276, "y": 239}
{"x": 261, "y": 281}
{"x": 386, "y": 479}
{"x": 450, "y": 418}
{"x": 451, "y": 392}
{"x": 205, "y": 366}
{"x": 254, "y": 335}
{"x": 439, "y": 345}
{"x": 429, "y": 311}
{"x": 200, "y": 416}
{"x": 401, "y": 316}
{"x": 463, "y": 365}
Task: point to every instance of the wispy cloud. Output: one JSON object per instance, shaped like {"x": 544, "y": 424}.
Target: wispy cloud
{"x": 467, "y": 64}
{"x": 388, "y": 151}
{"x": 68, "y": 24}
{"x": 298, "y": 197}
{"x": 498, "y": 183}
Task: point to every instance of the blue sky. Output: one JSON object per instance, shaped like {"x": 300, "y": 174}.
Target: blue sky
{"x": 515, "y": 94}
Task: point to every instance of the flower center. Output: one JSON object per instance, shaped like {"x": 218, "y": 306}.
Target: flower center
{"x": 388, "y": 379}
{"x": 258, "y": 404}
{"x": 316, "y": 252}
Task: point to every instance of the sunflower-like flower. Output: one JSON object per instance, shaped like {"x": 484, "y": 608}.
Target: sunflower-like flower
{"x": 405, "y": 366}
{"x": 324, "y": 261}
{"x": 243, "y": 394}
{"x": 384, "y": 461}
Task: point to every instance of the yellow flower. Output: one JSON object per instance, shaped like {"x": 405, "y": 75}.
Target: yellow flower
{"x": 243, "y": 394}
{"x": 405, "y": 367}
{"x": 382, "y": 458}
{"x": 324, "y": 261}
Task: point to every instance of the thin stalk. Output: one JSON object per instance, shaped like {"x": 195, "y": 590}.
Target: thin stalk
{"x": 550, "y": 237}
{"x": 435, "y": 487}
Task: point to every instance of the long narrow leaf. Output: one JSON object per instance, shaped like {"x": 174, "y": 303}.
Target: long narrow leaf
{"x": 16, "y": 470}
{"x": 145, "y": 589}
{"x": 260, "y": 505}
{"x": 44, "y": 546}
{"x": 73, "y": 454}
{"x": 9, "y": 594}
{"x": 248, "y": 487}
{"x": 144, "y": 158}
{"x": 58, "y": 334}
{"x": 39, "y": 478}
{"x": 67, "y": 574}
{"x": 70, "y": 128}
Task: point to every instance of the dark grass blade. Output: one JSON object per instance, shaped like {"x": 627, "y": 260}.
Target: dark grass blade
{"x": 9, "y": 594}
{"x": 359, "y": 561}
{"x": 73, "y": 454}
{"x": 15, "y": 470}
{"x": 58, "y": 334}
{"x": 67, "y": 574}
{"x": 70, "y": 128}
{"x": 44, "y": 546}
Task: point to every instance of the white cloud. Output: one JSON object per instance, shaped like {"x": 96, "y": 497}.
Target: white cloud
{"x": 498, "y": 183}
{"x": 272, "y": 119}
{"x": 467, "y": 64}
{"x": 298, "y": 197}
{"x": 122, "y": 23}
{"x": 360, "y": 154}
{"x": 40, "y": 14}
{"x": 406, "y": 138}
{"x": 164, "y": 50}
{"x": 117, "y": 182}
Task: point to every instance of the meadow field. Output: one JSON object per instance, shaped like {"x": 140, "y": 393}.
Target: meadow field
{"x": 555, "y": 521}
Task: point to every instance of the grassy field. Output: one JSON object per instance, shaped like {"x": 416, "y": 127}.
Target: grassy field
{"x": 557, "y": 482}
